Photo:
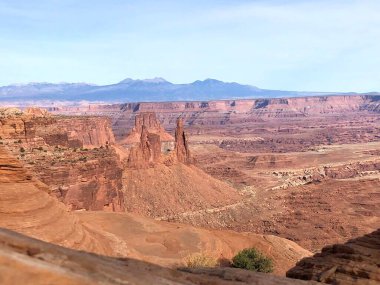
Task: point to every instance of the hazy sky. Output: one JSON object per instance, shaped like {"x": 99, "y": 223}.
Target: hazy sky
{"x": 311, "y": 45}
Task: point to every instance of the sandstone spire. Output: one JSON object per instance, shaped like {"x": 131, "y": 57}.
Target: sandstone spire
{"x": 153, "y": 126}
{"x": 181, "y": 146}
{"x": 151, "y": 146}
{"x": 147, "y": 152}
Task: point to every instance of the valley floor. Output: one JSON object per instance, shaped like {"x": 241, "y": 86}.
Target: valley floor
{"x": 322, "y": 196}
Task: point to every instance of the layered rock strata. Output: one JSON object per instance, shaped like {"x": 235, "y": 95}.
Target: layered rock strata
{"x": 355, "y": 262}
{"x": 24, "y": 260}
{"x": 26, "y": 207}
{"x": 72, "y": 155}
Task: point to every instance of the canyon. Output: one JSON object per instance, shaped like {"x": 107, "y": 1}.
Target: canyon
{"x": 288, "y": 158}
{"x": 114, "y": 234}
{"x": 159, "y": 181}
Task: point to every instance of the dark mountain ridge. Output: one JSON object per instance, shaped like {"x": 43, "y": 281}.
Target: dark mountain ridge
{"x": 130, "y": 90}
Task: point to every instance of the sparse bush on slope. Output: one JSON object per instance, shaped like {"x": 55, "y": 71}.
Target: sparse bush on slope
{"x": 252, "y": 259}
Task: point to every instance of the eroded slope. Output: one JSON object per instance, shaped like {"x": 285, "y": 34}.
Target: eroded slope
{"x": 26, "y": 207}
{"x": 24, "y": 260}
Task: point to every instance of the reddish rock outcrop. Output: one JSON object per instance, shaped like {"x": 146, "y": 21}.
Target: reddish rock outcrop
{"x": 153, "y": 147}
{"x": 87, "y": 132}
{"x": 147, "y": 152}
{"x": 72, "y": 155}
{"x": 159, "y": 182}
{"x": 26, "y": 207}
{"x": 152, "y": 125}
{"x": 355, "y": 262}
{"x": 38, "y": 126}
{"x": 91, "y": 182}
{"x": 234, "y": 112}
{"x": 37, "y": 112}
{"x": 14, "y": 124}
{"x": 181, "y": 144}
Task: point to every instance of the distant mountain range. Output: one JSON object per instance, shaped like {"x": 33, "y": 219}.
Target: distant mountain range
{"x": 129, "y": 90}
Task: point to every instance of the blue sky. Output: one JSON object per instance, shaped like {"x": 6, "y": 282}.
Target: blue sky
{"x": 281, "y": 44}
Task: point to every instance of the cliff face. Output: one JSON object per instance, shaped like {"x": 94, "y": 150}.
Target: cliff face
{"x": 87, "y": 132}
{"x": 26, "y": 207}
{"x": 355, "y": 262}
{"x": 72, "y": 155}
{"x": 90, "y": 180}
{"x": 224, "y": 113}
{"x": 35, "y": 124}
{"x": 15, "y": 124}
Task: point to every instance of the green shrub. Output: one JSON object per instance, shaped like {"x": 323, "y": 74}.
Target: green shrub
{"x": 200, "y": 260}
{"x": 22, "y": 149}
{"x": 252, "y": 259}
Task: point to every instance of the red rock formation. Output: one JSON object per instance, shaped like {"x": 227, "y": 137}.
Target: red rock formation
{"x": 181, "y": 145}
{"x": 72, "y": 155}
{"x": 26, "y": 207}
{"x": 147, "y": 152}
{"x": 92, "y": 183}
{"x": 153, "y": 126}
{"x": 43, "y": 217}
{"x": 36, "y": 112}
{"x": 38, "y": 125}
{"x": 355, "y": 262}
{"x": 225, "y": 112}
{"x": 171, "y": 184}
{"x": 87, "y": 132}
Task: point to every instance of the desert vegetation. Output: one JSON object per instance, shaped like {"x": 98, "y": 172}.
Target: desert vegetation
{"x": 200, "y": 259}
{"x": 252, "y": 259}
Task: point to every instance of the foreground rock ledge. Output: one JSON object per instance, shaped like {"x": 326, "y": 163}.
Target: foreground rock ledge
{"x": 355, "y": 262}
{"x": 24, "y": 260}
